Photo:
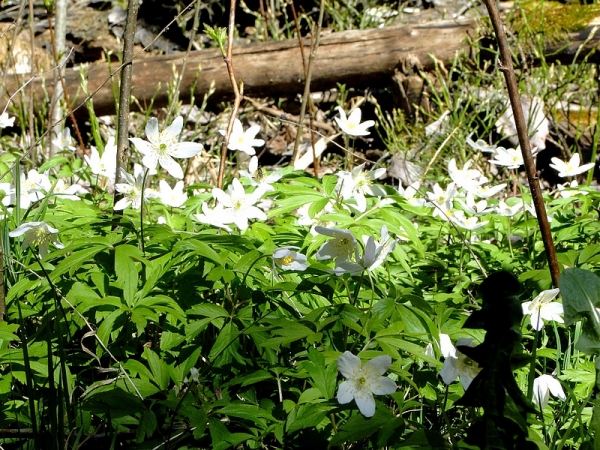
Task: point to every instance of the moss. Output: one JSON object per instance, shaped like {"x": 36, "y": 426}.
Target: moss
{"x": 552, "y": 18}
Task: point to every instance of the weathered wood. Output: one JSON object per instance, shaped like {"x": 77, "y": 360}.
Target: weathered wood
{"x": 365, "y": 57}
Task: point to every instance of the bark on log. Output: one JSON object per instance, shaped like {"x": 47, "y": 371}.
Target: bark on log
{"x": 365, "y": 57}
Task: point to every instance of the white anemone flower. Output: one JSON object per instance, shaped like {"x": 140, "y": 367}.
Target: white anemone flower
{"x": 543, "y": 308}
{"x": 63, "y": 141}
{"x": 569, "y": 190}
{"x": 460, "y": 365}
{"x": 362, "y": 382}
{"x": 442, "y": 200}
{"x": 571, "y": 168}
{"x": 39, "y": 234}
{"x": 239, "y": 206}
{"x": 216, "y": 217}
{"x": 483, "y": 191}
{"x": 543, "y": 386}
{"x": 258, "y": 178}
{"x": 465, "y": 177}
{"x": 161, "y": 148}
{"x": 358, "y": 183}
{"x": 468, "y": 223}
{"x": 342, "y": 247}
{"x": 512, "y": 158}
{"x": 105, "y": 165}
{"x": 351, "y": 125}
{"x": 241, "y": 140}
{"x": 287, "y": 258}
{"x": 5, "y": 121}
{"x": 508, "y": 210}
{"x": 410, "y": 193}
{"x": 132, "y": 189}
{"x": 173, "y": 197}
{"x": 72, "y": 192}
{"x": 481, "y": 146}
{"x": 373, "y": 256}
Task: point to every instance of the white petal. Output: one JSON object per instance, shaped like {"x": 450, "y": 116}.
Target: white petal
{"x": 185, "y": 149}
{"x": 365, "y": 402}
{"x": 348, "y": 364}
{"x": 152, "y": 130}
{"x": 384, "y": 386}
{"x": 377, "y": 366}
{"x": 345, "y": 392}
{"x": 171, "y": 166}
{"x": 176, "y": 127}
{"x": 446, "y": 346}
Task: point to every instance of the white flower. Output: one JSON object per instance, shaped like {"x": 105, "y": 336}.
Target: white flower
{"x": 442, "y": 200}
{"x": 473, "y": 207}
{"x": 481, "y": 145}
{"x": 460, "y": 366}
{"x": 351, "y": 125}
{"x": 216, "y": 217}
{"x": 5, "y": 122}
{"x": 239, "y": 206}
{"x": 357, "y": 183}
{"x": 362, "y": 382}
{"x": 569, "y": 190}
{"x": 446, "y": 346}
{"x": 571, "y": 168}
{"x": 531, "y": 210}
{"x": 63, "y": 141}
{"x": 410, "y": 192}
{"x": 68, "y": 192}
{"x": 468, "y": 223}
{"x": 172, "y": 197}
{"x": 506, "y": 210}
{"x": 341, "y": 248}
{"x": 34, "y": 187}
{"x": 258, "y": 178}
{"x": 161, "y": 148}
{"x": 465, "y": 177}
{"x": 374, "y": 255}
{"x": 543, "y": 386}
{"x": 37, "y": 233}
{"x": 241, "y": 140}
{"x": 538, "y": 126}
{"x": 132, "y": 189}
{"x": 543, "y": 308}
{"x": 483, "y": 191}
{"x": 288, "y": 259}
{"x": 305, "y": 220}
{"x": 439, "y": 126}
{"x": 509, "y": 157}
{"x": 105, "y": 165}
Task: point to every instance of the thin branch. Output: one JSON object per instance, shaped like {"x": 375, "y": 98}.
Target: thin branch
{"x": 311, "y": 58}
{"x": 125, "y": 92}
{"x": 238, "y": 93}
{"x": 507, "y": 68}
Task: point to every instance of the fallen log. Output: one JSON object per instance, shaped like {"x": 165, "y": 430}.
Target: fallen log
{"x": 357, "y": 58}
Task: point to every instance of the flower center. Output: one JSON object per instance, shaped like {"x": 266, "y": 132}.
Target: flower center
{"x": 362, "y": 381}
{"x": 286, "y": 260}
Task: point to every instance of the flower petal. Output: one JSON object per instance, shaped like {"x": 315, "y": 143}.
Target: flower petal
{"x": 185, "y": 149}
{"x": 348, "y": 364}
{"x": 169, "y": 164}
{"x": 345, "y": 392}
{"x": 378, "y": 365}
{"x": 152, "y": 130}
{"x": 176, "y": 127}
{"x": 365, "y": 402}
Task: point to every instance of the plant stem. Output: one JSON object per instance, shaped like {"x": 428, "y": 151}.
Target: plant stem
{"x": 238, "y": 93}
{"x": 311, "y": 58}
{"x": 125, "y": 93}
{"x": 506, "y": 67}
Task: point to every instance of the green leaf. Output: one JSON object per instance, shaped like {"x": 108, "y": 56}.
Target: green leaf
{"x": 126, "y": 270}
{"x": 358, "y": 427}
{"x": 160, "y": 370}
{"x": 580, "y": 291}
{"x": 307, "y": 416}
{"x": 146, "y": 427}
